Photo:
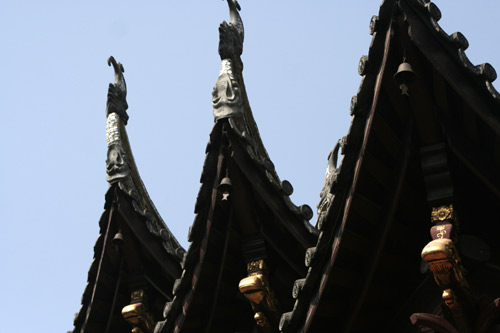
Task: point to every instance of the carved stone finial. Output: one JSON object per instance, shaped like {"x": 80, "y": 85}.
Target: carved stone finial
{"x": 117, "y": 162}
{"x": 226, "y": 95}
{"x": 234, "y": 8}
{"x": 231, "y": 34}
{"x": 117, "y": 92}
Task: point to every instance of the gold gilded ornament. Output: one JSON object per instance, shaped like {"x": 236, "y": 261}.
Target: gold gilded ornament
{"x": 442, "y": 213}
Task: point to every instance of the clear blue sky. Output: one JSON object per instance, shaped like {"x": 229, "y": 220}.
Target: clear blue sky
{"x": 300, "y": 61}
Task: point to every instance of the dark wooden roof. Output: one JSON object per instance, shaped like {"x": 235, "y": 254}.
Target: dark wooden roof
{"x": 259, "y": 214}
{"x": 135, "y": 249}
{"x": 359, "y": 269}
{"x": 364, "y": 272}
{"x": 214, "y": 262}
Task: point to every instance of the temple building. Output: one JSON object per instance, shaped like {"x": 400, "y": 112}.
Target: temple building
{"x": 406, "y": 233}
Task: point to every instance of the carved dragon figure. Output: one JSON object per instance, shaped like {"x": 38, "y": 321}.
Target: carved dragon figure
{"x": 231, "y": 35}
{"x": 117, "y": 162}
{"x": 331, "y": 174}
{"x": 226, "y": 96}
{"x": 117, "y": 92}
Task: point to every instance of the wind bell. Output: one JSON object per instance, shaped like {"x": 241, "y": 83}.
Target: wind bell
{"x": 404, "y": 76}
{"x": 225, "y": 188}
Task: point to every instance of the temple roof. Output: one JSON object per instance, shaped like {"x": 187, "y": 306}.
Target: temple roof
{"x": 134, "y": 243}
{"x": 373, "y": 207}
{"x": 363, "y": 269}
{"x": 256, "y": 211}
{"x": 373, "y": 203}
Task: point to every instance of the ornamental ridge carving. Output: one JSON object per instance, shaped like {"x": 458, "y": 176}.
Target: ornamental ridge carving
{"x": 226, "y": 95}
{"x": 117, "y": 161}
{"x": 231, "y": 34}
{"x": 331, "y": 174}
{"x": 117, "y": 92}
{"x": 227, "y": 99}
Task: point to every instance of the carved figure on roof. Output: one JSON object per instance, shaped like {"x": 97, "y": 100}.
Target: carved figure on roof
{"x": 331, "y": 174}
{"x": 231, "y": 35}
{"x": 117, "y": 92}
{"x": 117, "y": 162}
{"x": 226, "y": 95}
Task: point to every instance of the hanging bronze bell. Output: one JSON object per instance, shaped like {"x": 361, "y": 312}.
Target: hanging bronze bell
{"x": 118, "y": 241}
{"x": 405, "y": 73}
{"x": 225, "y": 185}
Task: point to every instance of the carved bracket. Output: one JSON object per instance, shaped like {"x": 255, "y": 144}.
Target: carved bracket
{"x": 444, "y": 262}
{"x": 255, "y": 287}
{"x": 137, "y": 313}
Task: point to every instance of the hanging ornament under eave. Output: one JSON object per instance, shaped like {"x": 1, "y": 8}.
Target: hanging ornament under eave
{"x": 404, "y": 76}
{"x": 225, "y": 188}
{"x": 118, "y": 241}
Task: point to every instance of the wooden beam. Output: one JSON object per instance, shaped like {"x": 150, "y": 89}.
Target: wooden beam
{"x": 335, "y": 244}
{"x": 393, "y": 200}
{"x": 472, "y": 157}
{"x": 96, "y": 282}
{"x": 148, "y": 241}
{"x": 221, "y": 271}
{"x": 264, "y": 188}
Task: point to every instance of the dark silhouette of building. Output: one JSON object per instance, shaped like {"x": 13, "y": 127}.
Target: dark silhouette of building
{"x": 407, "y": 227}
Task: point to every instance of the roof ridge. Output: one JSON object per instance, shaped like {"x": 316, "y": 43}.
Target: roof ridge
{"x": 234, "y": 124}
{"x": 120, "y": 164}
{"x": 229, "y": 96}
{"x": 338, "y": 176}
{"x": 230, "y": 99}
{"x": 457, "y": 43}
